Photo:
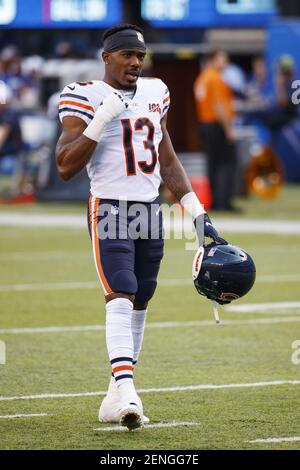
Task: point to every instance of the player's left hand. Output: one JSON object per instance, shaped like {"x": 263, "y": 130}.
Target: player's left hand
{"x": 211, "y": 232}
{"x": 204, "y": 228}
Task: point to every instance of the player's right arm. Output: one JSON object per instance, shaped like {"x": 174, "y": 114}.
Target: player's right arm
{"x": 74, "y": 150}
{"x": 77, "y": 143}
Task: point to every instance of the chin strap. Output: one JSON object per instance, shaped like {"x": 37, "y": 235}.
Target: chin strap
{"x": 216, "y": 313}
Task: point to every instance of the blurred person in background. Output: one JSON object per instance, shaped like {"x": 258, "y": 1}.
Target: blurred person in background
{"x": 20, "y": 76}
{"x": 11, "y": 142}
{"x": 214, "y": 105}
{"x": 11, "y": 71}
{"x": 234, "y": 77}
{"x": 284, "y": 110}
{"x": 64, "y": 50}
{"x": 258, "y": 90}
{"x": 274, "y": 109}
{"x": 31, "y": 68}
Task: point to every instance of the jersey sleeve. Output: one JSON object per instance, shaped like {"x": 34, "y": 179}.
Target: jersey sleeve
{"x": 165, "y": 100}
{"x": 74, "y": 101}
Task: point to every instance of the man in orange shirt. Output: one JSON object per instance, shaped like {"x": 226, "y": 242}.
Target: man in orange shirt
{"x": 214, "y": 104}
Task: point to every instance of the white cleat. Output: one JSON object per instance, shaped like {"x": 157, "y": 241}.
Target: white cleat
{"x": 131, "y": 414}
{"x": 109, "y": 411}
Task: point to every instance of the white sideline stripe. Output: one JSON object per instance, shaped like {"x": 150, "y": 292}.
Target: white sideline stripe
{"x": 219, "y": 387}
{"x": 158, "y": 425}
{"x": 246, "y": 308}
{"x": 57, "y": 255}
{"x": 156, "y": 390}
{"x": 276, "y": 312}
{"x": 276, "y": 439}
{"x": 38, "y": 255}
{"x": 49, "y": 286}
{"x": 96, "y": 285}
{"x": 52, "y": 329}
{"x": 20, "y": 219}
{"x": 179, "y": 324}
{"x": 53, "y": 395}
{"x": 278, "y": 277}
{"x": 75, "y": 221}
{"x": 43, "y": 255}
{"x": 33, "y": 415}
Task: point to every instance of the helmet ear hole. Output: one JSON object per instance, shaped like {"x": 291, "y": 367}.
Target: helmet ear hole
{"x": 227, "y": 273}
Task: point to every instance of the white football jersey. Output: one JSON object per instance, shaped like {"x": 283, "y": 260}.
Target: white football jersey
{"x": 125, "y": 164}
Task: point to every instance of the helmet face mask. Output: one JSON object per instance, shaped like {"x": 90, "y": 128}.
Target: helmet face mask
{"x": 226, "y": 273}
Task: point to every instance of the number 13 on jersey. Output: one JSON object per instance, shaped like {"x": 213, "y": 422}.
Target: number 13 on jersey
{"x": 128, "y": 130}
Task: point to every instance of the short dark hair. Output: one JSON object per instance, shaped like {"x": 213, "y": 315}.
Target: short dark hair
{"x": 120, "y": 27}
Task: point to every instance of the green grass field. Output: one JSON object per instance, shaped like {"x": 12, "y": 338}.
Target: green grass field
{"x": 39, "y": 267}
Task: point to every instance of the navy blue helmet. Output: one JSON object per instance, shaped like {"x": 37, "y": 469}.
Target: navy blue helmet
{"x": 223, "y": 272}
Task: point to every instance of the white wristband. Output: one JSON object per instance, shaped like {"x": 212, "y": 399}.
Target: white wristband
{"x": 192, "y": 204}
{"x": 96, "y": 126}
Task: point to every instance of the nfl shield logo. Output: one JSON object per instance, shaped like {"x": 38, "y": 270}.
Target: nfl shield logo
{"x": 140, "y": 36}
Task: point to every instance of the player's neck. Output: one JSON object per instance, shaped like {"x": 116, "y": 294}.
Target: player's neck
{"x": 116, "y": 85}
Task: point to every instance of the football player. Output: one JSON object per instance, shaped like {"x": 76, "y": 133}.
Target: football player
{"x": 117, "y": 129}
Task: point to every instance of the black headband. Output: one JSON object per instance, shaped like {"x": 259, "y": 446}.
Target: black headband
{"x": 123, "y": 40}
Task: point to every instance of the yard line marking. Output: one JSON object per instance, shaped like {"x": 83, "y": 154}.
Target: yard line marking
{"x": 95, "y": 285}
{"x": 158, "y": 425}
{"x": 53, "y": 255}
{"x": 43, "y": 255}
{"x": 156, "y": 390}
{"x": 276, "y": 439}
{"x": 32, "y": 415}
{"x": 176, "y": 224}
{"x": 258, "y": 226}
{"x": 62, "y": 329}
{"x": 278, "y": 277}
{"x": 20, "y": 219}
{"x": 259, "y": 307}
{"x": 179, "y": 324}
{"x": 278, "y": 312}
{"x": 219, "y": 387}
{"x": 49, "y": 286}
{"x": 53, "y": 395}
{"x": 52, "y": 329}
